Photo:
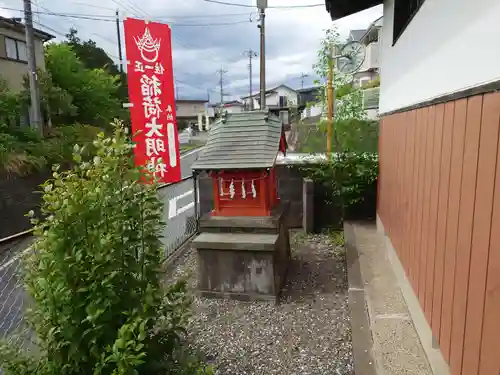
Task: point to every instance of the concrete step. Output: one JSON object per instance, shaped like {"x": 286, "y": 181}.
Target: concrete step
{"x": 236, "y": 241}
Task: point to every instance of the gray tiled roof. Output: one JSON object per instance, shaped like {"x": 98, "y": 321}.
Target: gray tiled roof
{"x": 248, "y": 140}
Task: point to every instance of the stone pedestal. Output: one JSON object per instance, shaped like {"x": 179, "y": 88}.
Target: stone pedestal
{"x": 244, "y": 258}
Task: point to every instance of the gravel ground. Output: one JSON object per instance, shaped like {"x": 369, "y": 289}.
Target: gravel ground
{"x": 308, "y": 333}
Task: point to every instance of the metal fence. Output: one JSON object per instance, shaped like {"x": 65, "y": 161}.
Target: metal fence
{"x": 181, "y": 224}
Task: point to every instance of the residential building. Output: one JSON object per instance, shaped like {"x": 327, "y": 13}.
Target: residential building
{"x": 439, "y": 184}
{"x": 280, "y": 100}
{"x": 233, "y": 106}
{"x": 193, "y": 111}
{"x": 309, "y": 102}
{"x": 369, "y": 70}
{"x": 189, "y": 109}
{"x": 13, "y": 54}
{"x": 279, "y": 97}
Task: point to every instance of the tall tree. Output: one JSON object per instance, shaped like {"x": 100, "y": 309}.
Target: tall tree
{"x": 94, "y": 57}
{"x": 93, "y": 91}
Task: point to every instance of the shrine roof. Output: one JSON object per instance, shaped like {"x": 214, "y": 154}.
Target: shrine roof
{"x": 247, "y": 140}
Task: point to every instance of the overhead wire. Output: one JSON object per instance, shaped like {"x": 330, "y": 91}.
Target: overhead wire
{"x": 220, "y": 2}
{"x": 112, "y": 18}
{"x": 137, "y": 12}
{"x": 92, "y": 33}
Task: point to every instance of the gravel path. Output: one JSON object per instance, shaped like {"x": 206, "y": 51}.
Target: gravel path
{"x": 308, "y": 333}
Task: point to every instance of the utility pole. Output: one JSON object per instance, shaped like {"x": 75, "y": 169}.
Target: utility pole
{"x": 221, "y": 84}
{"x": 119, "y": 37}
{"x": 36, "y": 120}
{"x": 251, "y": 54}
{"x": 176, "y": 90}
{"x": 262, "y": 5}
{"x": 302, "y": 76}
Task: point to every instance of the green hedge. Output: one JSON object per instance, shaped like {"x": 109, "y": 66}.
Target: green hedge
{"x": 345, "y": 188}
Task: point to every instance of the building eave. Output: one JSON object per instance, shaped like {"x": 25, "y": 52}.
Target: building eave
{"x": 343, "y": 8}
{"x": 19, "y": 27}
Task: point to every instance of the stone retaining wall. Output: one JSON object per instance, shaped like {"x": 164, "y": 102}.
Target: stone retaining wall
{"x": 18, "y": 195}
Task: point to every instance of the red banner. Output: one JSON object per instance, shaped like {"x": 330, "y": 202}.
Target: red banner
{"x": 151, "y": 92}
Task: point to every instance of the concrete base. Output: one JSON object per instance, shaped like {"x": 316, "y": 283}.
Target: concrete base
{"x": 243, "y": 258}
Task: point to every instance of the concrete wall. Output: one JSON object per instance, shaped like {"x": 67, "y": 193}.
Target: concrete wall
{"x": 433, "y": 55}
{"x": 439, "y": 201}
{"x": 13, "y": 70}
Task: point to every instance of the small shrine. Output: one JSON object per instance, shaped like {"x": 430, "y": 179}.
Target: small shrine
{"x": 243, "y": 246}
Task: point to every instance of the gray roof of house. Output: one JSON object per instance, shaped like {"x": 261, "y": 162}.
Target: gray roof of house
{"x": 248, "y": 140}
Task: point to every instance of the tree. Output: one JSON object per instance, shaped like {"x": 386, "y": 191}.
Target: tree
{"x": 56, "y": 102}
{"x": 348, "y": 177}
{"x": 94, "y": 91}
{"x": 94, "y": 276}
{"x": 94, "y": 57}
{"x": 10, "y": 105}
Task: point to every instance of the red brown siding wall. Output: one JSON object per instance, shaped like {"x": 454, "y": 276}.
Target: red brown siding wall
{"x": 439, "y": 201}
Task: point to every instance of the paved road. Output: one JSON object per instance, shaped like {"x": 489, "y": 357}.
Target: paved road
{"x": 178, "y": 214}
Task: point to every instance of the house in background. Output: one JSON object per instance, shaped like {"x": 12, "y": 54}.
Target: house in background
{"x": 439, "y": 183}
{"x": 233, "y": 106}
{"x": 13, "y": 53}
{"x": 369, "y": 70}
{"x": 191, "y": 111}
{"x": 309, "y": 102}
{"x": 280, "y": 100}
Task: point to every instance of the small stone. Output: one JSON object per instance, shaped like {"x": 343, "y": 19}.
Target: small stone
{"x": 309, "y": 332}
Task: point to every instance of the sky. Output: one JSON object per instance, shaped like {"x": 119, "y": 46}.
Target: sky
{"x": 208, "y": 37}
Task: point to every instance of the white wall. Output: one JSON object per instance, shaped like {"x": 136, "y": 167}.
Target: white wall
{"x": 274, "y": 98}
{"x": 234, "y": 109}
{"x": 314, "y": 110}
{"x": 449, "y": 45}
{"x": 372, "y": 57}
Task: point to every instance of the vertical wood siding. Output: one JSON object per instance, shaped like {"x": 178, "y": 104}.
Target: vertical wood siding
{"x": 439, "y": 200}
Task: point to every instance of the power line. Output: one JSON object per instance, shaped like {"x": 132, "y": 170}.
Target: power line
{"x": 109, "y": 18}
{"x": 269, "y": 7}
{"x": 172, "y": 16}
{"x": 64, "y": 35}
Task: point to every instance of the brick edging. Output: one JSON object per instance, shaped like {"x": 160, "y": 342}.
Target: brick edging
{"x": 362, "y": 343}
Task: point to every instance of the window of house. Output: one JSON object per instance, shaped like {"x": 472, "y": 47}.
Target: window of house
{"x": 16, "y": 49}
{"x": 404, "y": 11}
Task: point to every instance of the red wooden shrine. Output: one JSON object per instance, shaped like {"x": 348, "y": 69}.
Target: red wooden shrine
{"x": 246, "y": 192}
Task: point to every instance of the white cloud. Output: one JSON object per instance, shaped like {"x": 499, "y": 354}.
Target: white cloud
{"x": 292, "y": 36}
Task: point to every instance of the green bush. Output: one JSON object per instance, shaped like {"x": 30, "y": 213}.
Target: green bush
{"x": 23, "y": 150}
{"x": 354, "y": 135}
{"x": 346, "y": 181}
{"x": 94, "y": 276}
